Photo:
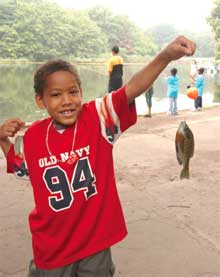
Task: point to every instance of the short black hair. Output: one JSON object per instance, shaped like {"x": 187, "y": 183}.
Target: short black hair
{"x": 41, "y": 74}
{"x": 173, "y": 71}
{"x": 115, "y": 49}
{"x": 201, "y": 70}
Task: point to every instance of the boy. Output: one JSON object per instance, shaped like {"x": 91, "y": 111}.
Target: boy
{"x": 77, "y": 215}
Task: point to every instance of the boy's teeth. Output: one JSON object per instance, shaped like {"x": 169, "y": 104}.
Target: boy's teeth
{"x": 66, "y": 112}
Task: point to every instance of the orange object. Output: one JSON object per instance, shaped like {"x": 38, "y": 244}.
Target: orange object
{"x": 192, "y": 93}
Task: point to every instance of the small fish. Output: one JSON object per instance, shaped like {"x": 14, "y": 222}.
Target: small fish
{"x": 184, "y": 148}
{"x": 18, "y": 145}
{"x": 20, "y": 167}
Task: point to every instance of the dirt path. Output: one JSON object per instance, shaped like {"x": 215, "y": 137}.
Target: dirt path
{"x": 174, "y": 225}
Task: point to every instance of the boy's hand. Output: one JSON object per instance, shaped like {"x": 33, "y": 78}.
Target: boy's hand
{"x": 10, "y": 127}
{"x": 144, "y": 78}
{"x": 178, "y": 48}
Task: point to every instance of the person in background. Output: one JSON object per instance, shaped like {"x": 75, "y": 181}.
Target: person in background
{"x": 199, "y": 83}
{"x": 172, "y": 91}
{"x": 77, "y": 216}
{"x": 115, "y": 70}
{"x": 148, "y": 95}
{"x": 193, "y": 70}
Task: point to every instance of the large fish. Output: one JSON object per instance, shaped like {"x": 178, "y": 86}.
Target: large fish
{"x": 184, "y": 148}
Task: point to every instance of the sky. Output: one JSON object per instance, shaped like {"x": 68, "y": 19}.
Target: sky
{"x": 185, "y": 14}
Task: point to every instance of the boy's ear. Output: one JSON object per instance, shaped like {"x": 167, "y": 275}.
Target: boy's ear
{"x": 39, "y": 101}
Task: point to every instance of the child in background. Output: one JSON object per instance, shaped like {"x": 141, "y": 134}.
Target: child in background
{"x": 199, "y": 83}
{"x": 172, "y": 91}
{"x": 193, "y": 69}
{"x": 77, "y": 215}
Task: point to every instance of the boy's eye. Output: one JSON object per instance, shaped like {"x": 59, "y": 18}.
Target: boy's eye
{"x": 55, "y": 93}
{"x": 75, "y": 91}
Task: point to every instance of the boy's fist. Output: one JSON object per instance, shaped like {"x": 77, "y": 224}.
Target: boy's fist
{"x": 10, "y": 127}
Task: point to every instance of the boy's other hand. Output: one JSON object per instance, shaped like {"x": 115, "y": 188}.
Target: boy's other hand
{"x": 177, "y": 49}
{"x": 10, "y": 127}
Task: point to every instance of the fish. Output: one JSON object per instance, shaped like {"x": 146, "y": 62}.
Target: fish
{"x": 184, "y": 142}
{"x": 18, "y": 145}
{"x": 19, "y": 163}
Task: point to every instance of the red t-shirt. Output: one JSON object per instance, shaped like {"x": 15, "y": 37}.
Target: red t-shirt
{"x": 77, "y": 209}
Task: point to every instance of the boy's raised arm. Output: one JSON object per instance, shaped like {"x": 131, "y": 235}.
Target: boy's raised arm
{"x": 143, "y": 79}
{"x": 8, "y": 129}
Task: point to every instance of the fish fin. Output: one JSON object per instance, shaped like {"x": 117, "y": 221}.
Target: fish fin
{"x": 184, "y": 173}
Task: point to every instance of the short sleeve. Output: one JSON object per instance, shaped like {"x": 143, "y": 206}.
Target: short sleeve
{"x": 115, "y": 114}
{"x": 199, "y": 82}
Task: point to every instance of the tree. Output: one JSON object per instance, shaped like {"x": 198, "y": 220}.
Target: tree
{"x": 204, "y": 49}
{"x": 214, "y": 21}
{"x": 120, "y": 30}
{"x": 102, "y": 16}
{"x": 86, "y": 38}
{"x": 163, "y": 33}
{"x": 8, "y": 36}
{"x": 44, "y": 31}
{"x": 7, "y": 12}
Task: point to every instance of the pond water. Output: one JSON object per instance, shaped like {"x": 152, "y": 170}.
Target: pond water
{"x": 17, "y": 93}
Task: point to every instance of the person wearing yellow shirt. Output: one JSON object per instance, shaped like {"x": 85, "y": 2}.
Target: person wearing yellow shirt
{"x": 115, "y": 70}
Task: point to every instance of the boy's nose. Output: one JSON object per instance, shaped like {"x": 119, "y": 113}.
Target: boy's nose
{"x": 66, "y": 100}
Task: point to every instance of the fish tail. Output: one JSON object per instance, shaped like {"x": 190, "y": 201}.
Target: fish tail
{"x": 184, "y": 173}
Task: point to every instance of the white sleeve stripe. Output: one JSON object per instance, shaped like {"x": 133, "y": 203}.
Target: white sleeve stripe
{"x": 110, "y": 133}
{"x": 111, "y": 108}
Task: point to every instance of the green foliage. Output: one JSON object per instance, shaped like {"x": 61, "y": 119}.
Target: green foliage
{"x": 7, "y": 12}
{"x": 214, "y": 21}
{"x": 43, "y": 30}
{"x": 8, "y": 36}
{"x": 40, "y": 30}
{"x": 217, "y": 54}
{"x": 86, "y": 38}
{"x": 163, "y": 33}
{"x": 121, "y": 31}
{"x": 204, "y": 49}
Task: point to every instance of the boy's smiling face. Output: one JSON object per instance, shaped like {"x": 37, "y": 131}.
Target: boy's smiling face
{"x": 62, "y": 97}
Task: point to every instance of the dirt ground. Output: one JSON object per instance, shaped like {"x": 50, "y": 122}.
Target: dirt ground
{"x": 173, "y": 225}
